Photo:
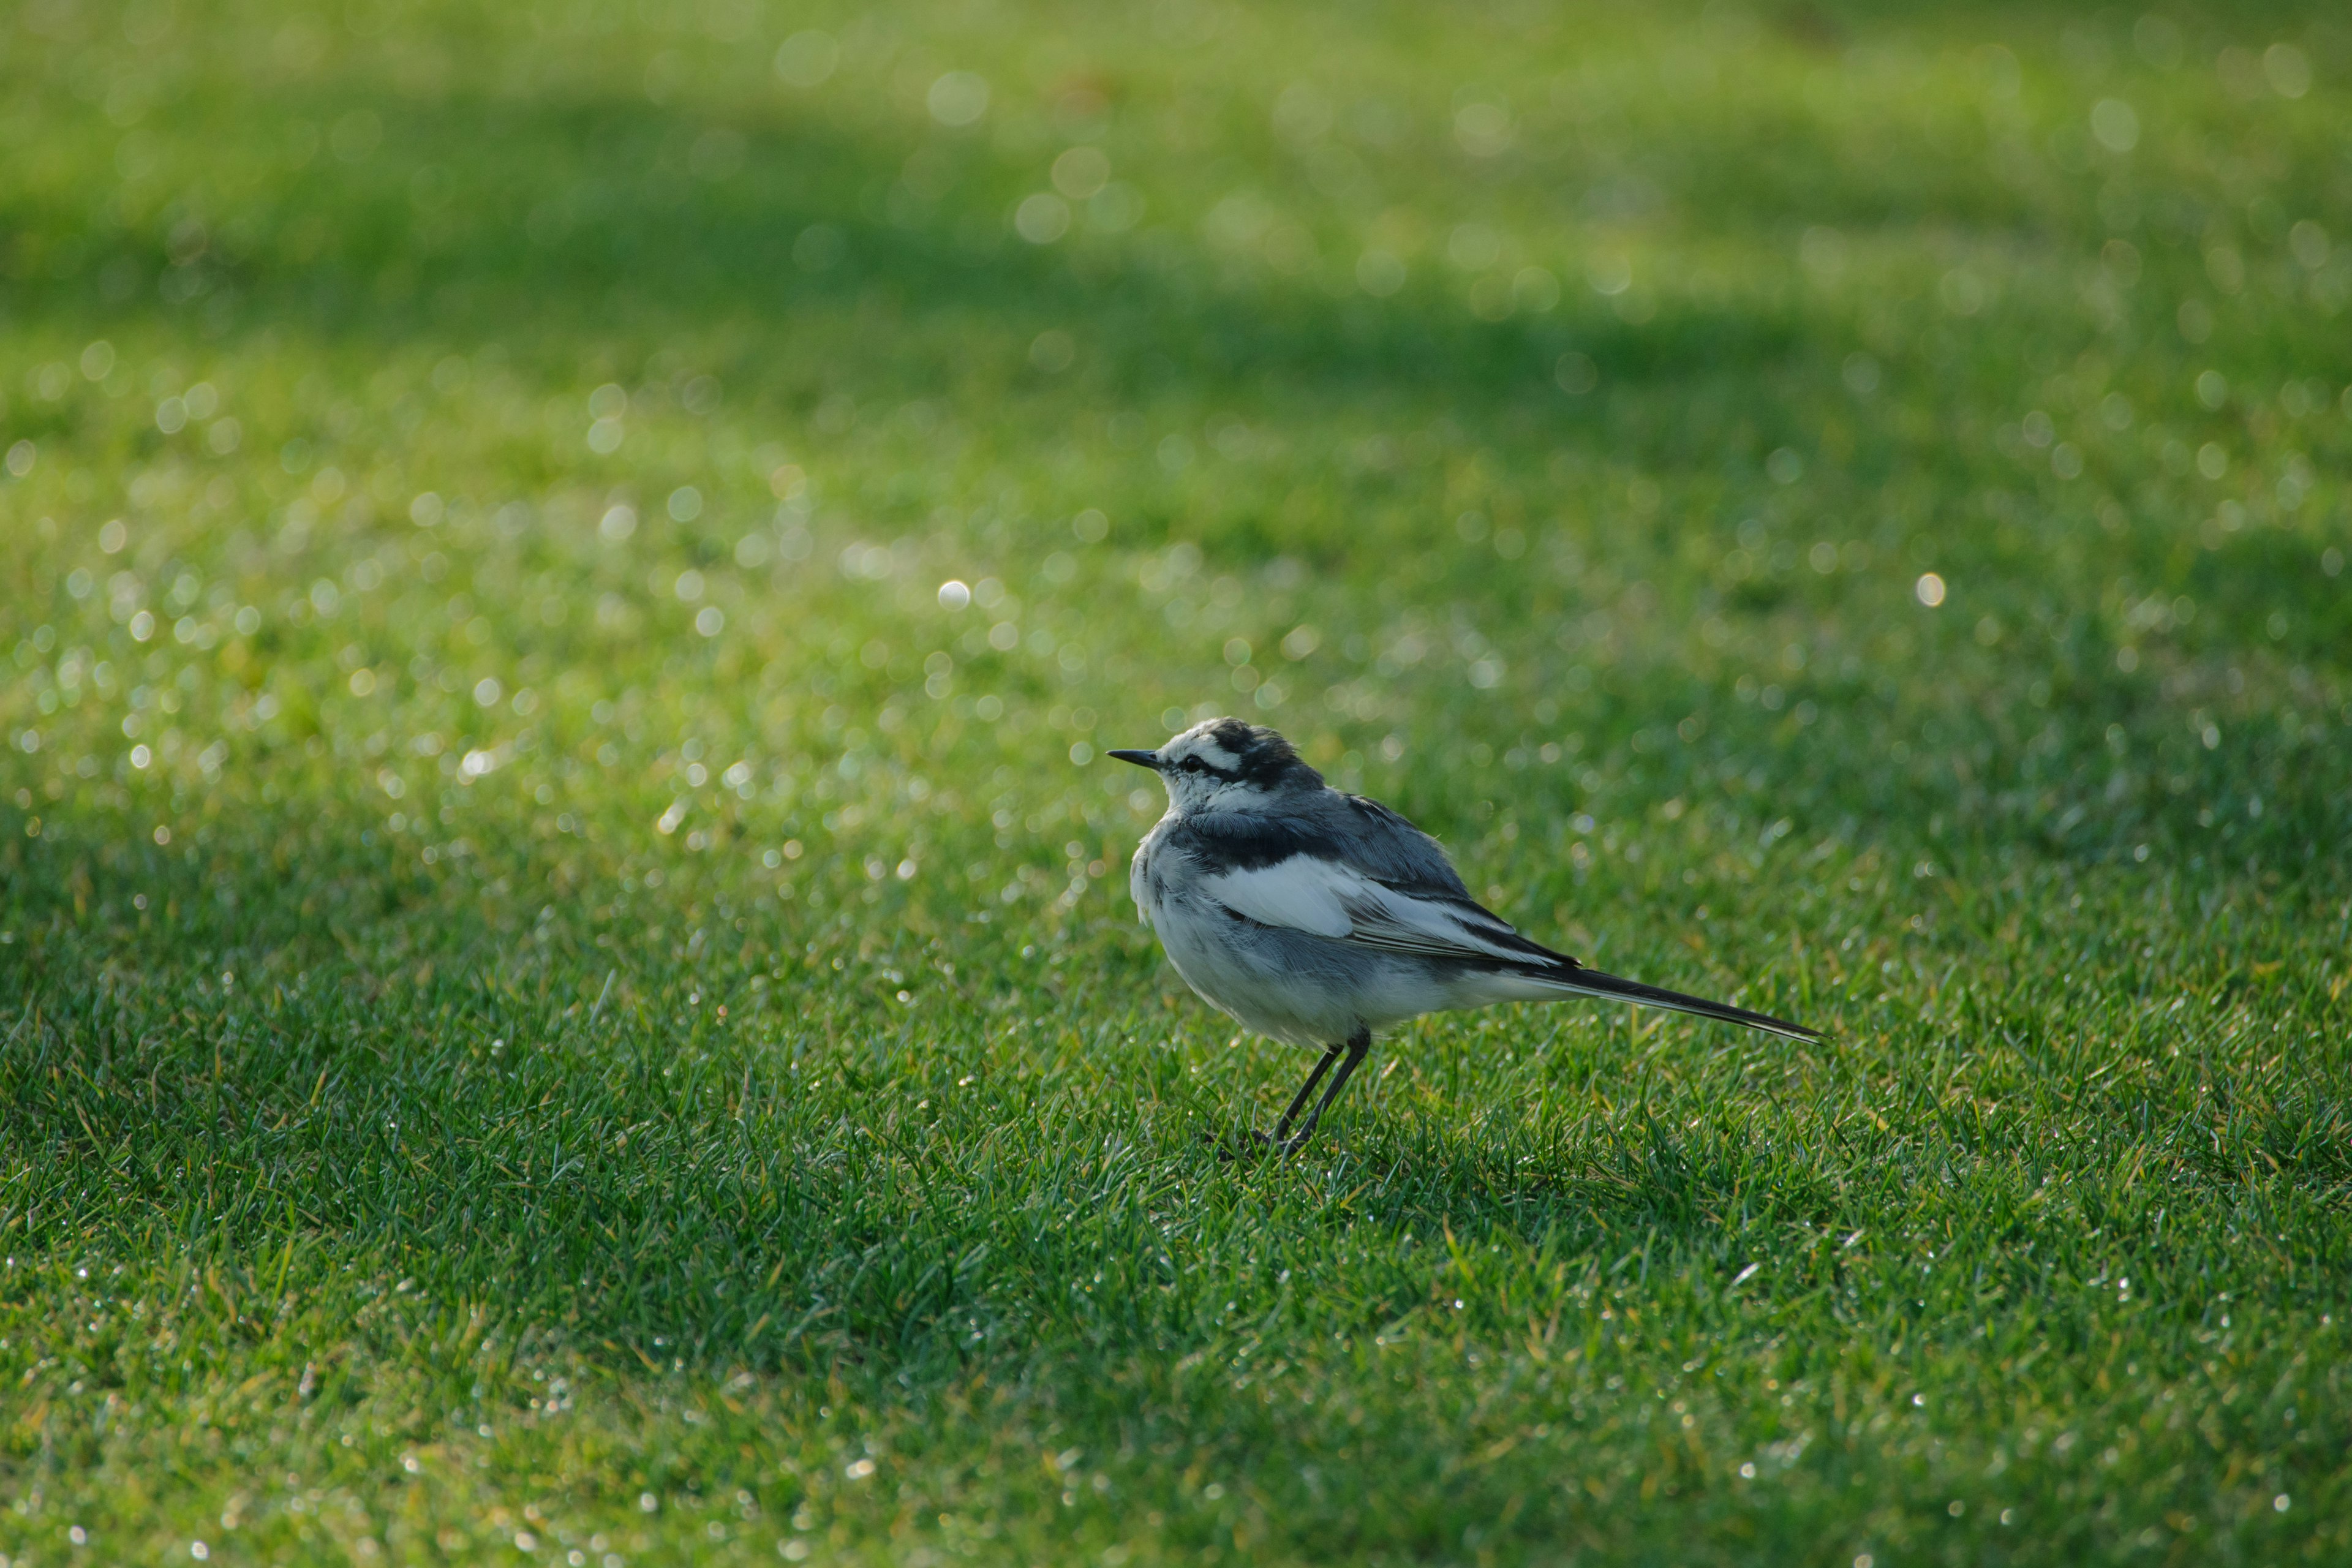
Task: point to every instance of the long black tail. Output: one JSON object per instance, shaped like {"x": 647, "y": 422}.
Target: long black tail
{"x": 1584, "y": 982}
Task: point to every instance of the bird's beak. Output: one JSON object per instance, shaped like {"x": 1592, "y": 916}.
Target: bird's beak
{"x": 1140, "y": 758}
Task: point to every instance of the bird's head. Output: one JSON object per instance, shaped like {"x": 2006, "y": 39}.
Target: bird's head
{"x": 1226, "y": 764}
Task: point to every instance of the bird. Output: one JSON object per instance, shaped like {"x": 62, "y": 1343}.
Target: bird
{"x": 1318, "y": 916}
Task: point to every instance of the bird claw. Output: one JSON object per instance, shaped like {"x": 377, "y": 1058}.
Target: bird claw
{"x": 1253, "y": 1145}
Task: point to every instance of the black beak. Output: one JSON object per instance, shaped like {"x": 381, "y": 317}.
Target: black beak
{"x": 1140, "y": 758}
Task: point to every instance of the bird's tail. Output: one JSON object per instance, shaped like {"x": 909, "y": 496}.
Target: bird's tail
{"x": 1582, "y": 981}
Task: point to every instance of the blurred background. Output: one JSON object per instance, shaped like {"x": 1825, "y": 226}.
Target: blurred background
{"x": 541, "y": 435}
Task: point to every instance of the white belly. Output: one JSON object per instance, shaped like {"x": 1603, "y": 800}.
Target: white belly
{"x": 1304, "y": 990}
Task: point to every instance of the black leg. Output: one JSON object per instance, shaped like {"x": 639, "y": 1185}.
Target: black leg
{"x": 1282, "y": 1128}
{"x": 1358, "y": 1047}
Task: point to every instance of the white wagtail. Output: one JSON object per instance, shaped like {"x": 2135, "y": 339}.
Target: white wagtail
{"x": 1318, "y": 917}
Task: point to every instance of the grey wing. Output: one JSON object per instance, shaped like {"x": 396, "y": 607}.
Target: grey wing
{"x": 1385, "y": 846}
{"x": 1359, "y": 833}
{"x": 1378, "y": 882}
{"x": 1327, "y": 897}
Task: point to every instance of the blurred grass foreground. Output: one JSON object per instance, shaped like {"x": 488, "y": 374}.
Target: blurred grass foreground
{"x": 566, "y": 985}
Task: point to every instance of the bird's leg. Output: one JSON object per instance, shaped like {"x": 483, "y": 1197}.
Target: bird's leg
{"x": 1359, "y": 1045}
{"x": 1282, "y": 1128}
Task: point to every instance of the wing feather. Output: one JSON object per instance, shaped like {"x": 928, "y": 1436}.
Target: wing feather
{"x": 1307, "y": 892}
{"x": 1310, "y": 889}
{"x": 1361, "y": 835}
{"x": 1443, "y": 928}
{"x": 1302, "y": 893}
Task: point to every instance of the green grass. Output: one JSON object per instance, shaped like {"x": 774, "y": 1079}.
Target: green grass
{"x": 523, "y": 1035}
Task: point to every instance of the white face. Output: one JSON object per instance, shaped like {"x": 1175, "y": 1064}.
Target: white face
{"x": 1198, "y": 772}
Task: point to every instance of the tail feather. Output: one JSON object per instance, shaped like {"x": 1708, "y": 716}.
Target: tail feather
{"x": 1584, "y": 982}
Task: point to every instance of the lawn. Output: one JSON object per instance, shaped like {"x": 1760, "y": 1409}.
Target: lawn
{"x": 567, "y": 988}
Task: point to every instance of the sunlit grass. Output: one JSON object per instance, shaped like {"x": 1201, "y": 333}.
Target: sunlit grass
{"x": 564, "y": 999}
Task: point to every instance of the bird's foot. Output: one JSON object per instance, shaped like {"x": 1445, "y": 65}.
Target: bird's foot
{"x": 1254, "y": 1145}
{"x": 1243, "y": 1147}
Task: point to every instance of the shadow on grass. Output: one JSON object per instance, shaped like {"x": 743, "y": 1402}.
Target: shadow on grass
{"x": 573, "y": 228}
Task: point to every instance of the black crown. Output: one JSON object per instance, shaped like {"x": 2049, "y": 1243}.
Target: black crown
{"x": 1265, "y": 756}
